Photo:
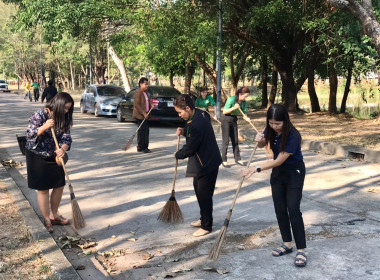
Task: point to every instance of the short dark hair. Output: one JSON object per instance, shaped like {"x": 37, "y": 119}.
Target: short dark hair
{"x": 50, "y": 82}
{"x": 142, "y": 80}
{"x": 184, "y": 100}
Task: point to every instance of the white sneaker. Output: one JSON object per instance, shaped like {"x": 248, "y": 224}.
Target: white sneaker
{"x": 200, "y": 232}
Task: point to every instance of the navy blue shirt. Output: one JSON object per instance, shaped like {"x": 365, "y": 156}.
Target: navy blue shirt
{"x": 293, "y": 147}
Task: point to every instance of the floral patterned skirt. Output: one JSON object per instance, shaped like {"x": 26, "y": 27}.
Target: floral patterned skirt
{"x": 43, "y": 172}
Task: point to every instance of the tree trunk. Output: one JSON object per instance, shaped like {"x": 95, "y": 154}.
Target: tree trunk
{"x": 273, "y": 91}
{"x": 120, "y": 65}
{"x": 333, "y": 81}
{"x": 285, "y": 69}
{"x": 347, "y": 87}
{"x": 189, "y": 72}
{"x": 314, "y": 102}
{"x": 72, "y": 76}
{"x": 365, "y": 14}
{"x": 171, "y": 78}
{"x": 264, "y": 78}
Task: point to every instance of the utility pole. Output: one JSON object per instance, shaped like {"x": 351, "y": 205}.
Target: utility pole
{"x": 42, "y": 70}
{"x": 90, "y": 57}
{"x": 219, "y": 65}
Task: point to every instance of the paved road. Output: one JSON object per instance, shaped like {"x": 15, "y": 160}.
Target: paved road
{"x": 121, "y": 193}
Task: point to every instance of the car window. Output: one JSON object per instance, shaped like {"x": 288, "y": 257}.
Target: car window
{"x": 111, "y": 91}
{"x": 163, "y": 92}
{"x": 2, "y": 81}
{"x": 130, "y": 94}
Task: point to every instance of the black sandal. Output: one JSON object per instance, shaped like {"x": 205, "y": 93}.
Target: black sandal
{"x": 303, "y": 260}
{"x": 280, "y": 252}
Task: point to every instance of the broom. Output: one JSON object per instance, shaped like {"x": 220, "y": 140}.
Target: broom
{"x": 129, "y": 143}
{"x": 78, "y": 219}
{"x": 215, "y": 250}
{"x": 249, "y": 120}
{"x": 171, "y": 213}
{"x": 213, "y": 117}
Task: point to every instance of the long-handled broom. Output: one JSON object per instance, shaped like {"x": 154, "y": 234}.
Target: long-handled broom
{"x": 215, "y": 249}
{"x": 171, "y": 213}
{"x": 213, "y": 117}
{"x": 129, "y": 143}
{"x": 78, "y": 219}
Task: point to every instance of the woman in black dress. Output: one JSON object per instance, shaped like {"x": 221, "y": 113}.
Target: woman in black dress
{"x": 204, "y": 158}
{"x": 43, "y": 171}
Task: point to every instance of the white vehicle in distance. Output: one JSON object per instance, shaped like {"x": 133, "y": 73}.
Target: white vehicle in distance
{"x": 4, "y": 85}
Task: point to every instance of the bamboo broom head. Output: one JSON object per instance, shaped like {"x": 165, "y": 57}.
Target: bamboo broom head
{"x": 171, "y": 213}
{"x": 129, "y": 143}
{"x": 78, "y": 219}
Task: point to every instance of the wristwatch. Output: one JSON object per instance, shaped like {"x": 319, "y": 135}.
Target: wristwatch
{"x": 258, "y": 169}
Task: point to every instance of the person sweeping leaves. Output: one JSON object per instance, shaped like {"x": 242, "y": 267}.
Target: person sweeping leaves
{"x": 204, "y": 158}
{"x": 287, "y": 179}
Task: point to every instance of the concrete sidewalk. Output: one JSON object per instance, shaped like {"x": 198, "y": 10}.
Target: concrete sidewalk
{"x": 121, "y": 193}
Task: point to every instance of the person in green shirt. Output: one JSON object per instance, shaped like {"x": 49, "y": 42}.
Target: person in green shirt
{"x": 229, "y": 124}
{"x": 35, "y": 86}
{"x": 204, "y": 100}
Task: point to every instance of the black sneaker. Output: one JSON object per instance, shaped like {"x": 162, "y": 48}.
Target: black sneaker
{"x": 139, "y": 150}
{"x": 147, "y": 151}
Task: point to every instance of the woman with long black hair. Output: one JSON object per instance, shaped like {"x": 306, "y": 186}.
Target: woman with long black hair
{"x": 287, "y": 179}
{"x": 42, "y": 157}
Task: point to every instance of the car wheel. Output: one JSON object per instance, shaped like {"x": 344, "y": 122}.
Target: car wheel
{"x": 82, "y": 110}
{"x": 96, "y": 110}
{"x": 119, "y": 115}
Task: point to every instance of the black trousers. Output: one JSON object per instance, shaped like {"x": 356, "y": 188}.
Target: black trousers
{"x": 230, "y": 130}
{"x": 143, "y": 135}
{"x": 204, "y": 187}
{"x": 36, "y": 94}
{"x": 287, "y": 184}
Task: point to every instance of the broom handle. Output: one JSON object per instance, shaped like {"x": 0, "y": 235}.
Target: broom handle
{"x": 143, "y": 120}
{"x": 213, "y": 117}
{"x": 176, "y": 164}
{"x": 61, "y": 159}
{"x": 242, "y": 179}
{"x": 248, "y": 121}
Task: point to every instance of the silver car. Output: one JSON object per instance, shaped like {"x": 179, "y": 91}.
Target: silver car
{"x": 101, "y": 100}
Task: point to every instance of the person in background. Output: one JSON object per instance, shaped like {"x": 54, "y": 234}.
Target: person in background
{"x": 287, "y": 179}
{"x": 41, "y": 155}
{"x": 141, "y": 106}
{"x": 204, "y": 100}
{"x": 49, "y": 92}
{"x": 204, "y": 158}
{"x": 35, "y": 86}
{"x": 27, "y": 91}
{"x": 60, "y": 87}
{"x": 230, "y": 126}
{"x": 105, "y": 80}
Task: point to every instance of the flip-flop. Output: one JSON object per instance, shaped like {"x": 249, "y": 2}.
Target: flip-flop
{"x": 49, "y": 227}
{"x": 303, "y": 261}
{"x": 60, "y": 221}
{"x": 280, "y": 252}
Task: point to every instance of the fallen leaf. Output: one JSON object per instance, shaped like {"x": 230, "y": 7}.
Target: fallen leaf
{"x": 147, "y": 256}
{"x": 222, "y": 271}
{"x": 80, "y": 267}
{"x": 113, "y": 236}
{"x": 132, "y": 239}
{"x": 88, "y": 245}
{"x": 168, "y": 275}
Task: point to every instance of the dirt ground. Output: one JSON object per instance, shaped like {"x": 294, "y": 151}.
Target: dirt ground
{"x": 342, "y": 129}
{"x": 20, "y": 257}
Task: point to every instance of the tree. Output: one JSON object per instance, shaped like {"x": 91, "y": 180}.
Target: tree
{"x": 366, "y": 15}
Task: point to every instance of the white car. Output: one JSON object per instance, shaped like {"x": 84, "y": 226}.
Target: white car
{"x": 3, "y": 85}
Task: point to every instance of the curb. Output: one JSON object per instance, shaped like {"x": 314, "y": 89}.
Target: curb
{"x": 54, "y": 256}
{"x": 356, "y": 152}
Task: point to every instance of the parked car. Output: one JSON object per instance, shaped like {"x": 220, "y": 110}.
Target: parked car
{"x": 3, "y": 85}
{"x": 101, "y": 100}
{"x": 162, "y": 98}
